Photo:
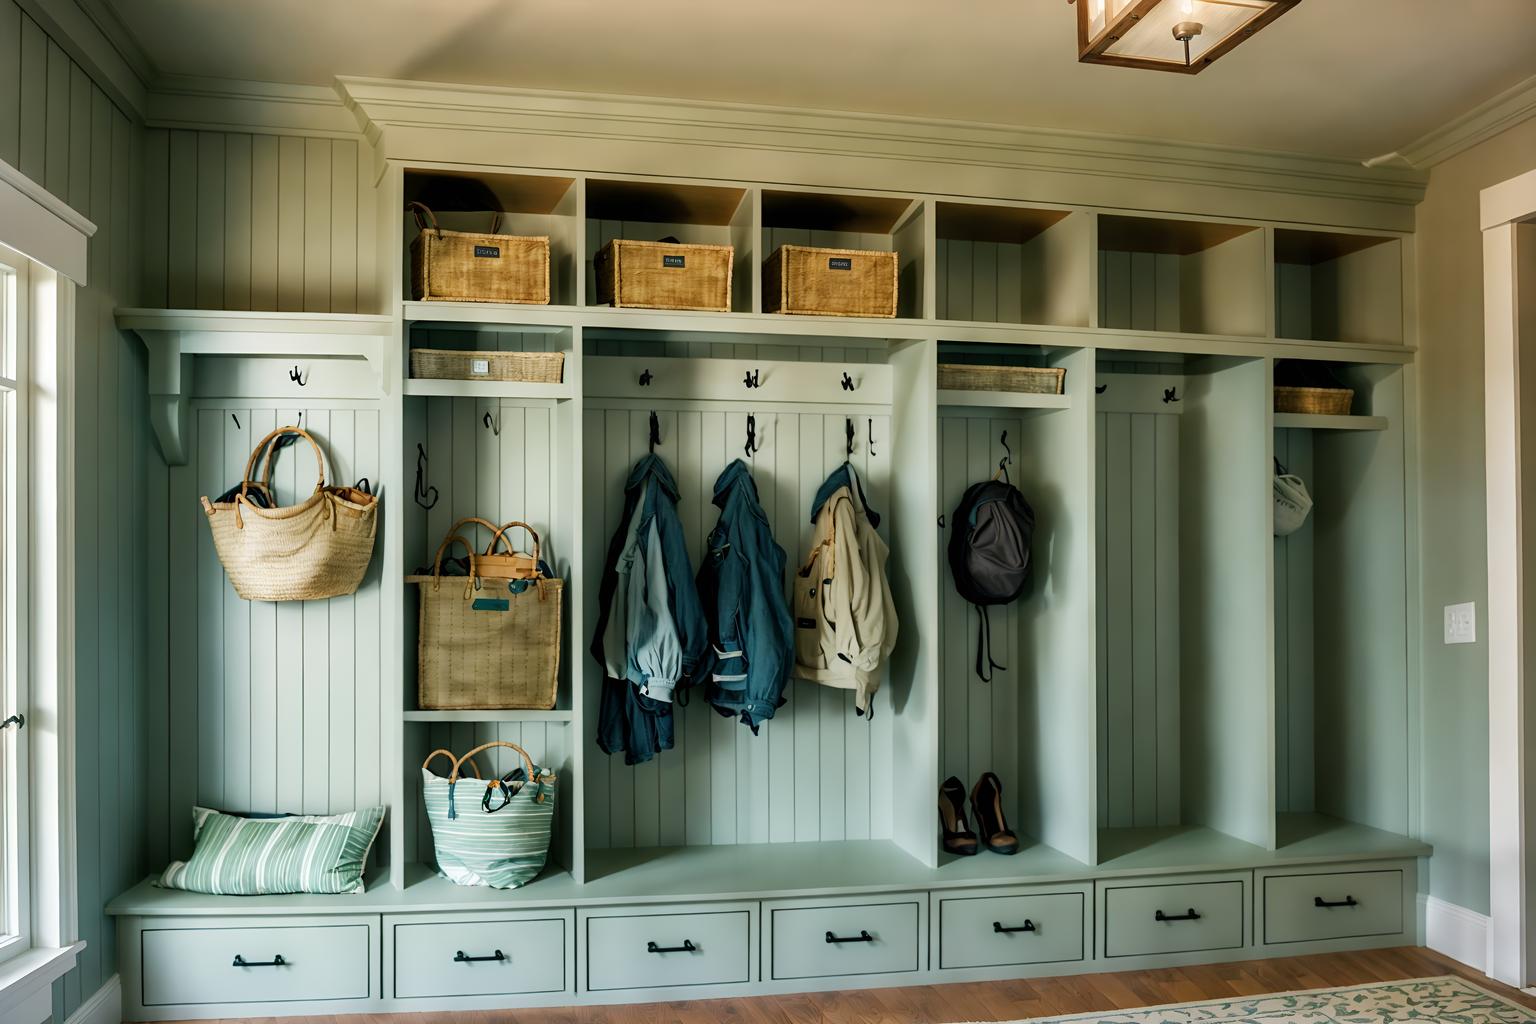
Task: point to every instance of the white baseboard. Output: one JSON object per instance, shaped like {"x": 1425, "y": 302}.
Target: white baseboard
{"x": 1457, "y": 932}
{"x": 105, "y": 1007}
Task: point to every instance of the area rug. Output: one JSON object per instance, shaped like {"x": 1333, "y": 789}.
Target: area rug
{"x": 1448, "y": 999}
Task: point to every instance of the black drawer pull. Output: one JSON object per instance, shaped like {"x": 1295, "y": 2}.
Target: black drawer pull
{"x": 276, "y": 961}
{"x": 460, "y": 958}
{"x": 863, "y": 936}
{"x": 686, "y": 947}
{"x": 1188, "y": 915}
{"x": 1027, "y": 926}
{"x": 1347, "y": 901}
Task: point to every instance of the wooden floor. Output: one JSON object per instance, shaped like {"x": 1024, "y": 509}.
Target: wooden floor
{"x": 985, "y": 1001}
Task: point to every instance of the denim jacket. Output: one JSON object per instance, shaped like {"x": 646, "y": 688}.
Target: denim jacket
{"x": 742, "y": 585}
{"x": 651, "y": 631}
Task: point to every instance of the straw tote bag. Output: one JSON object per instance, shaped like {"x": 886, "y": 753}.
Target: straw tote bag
{"x": 492, "y": 832}
{"x": 317, "y": 549}
{"x": 489, "y": 641}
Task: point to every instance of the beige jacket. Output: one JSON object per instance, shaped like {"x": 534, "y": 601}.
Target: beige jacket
{"x": 845, "y": 622}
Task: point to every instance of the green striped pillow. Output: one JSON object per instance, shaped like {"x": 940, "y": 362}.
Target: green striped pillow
{"x": 504, "y": 848}
{"x": 268, "y": 856}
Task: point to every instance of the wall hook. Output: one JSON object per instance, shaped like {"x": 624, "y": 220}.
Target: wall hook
{"x": 237, "y": 421}
{"x": 1007, "y": 459}
{"x": 493, "y": 425}
{"x": 1170, "y": 395}
{"x": 848, "y": 429}
{"x": 871, "y": 423}
{"x": 301, "y": 379}
{"x": 646, "y": 378}
{"x": 655, "y": 432}
{"x": 426, "y": 496}
{"x": 753, "y": 444}
{"x": 848, "y": 384}
{"x": 753, "y": 379}
{"x": 1099, "y": 389}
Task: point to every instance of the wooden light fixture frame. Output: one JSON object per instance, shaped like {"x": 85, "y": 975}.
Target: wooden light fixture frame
{"x": 1092, "y": 51}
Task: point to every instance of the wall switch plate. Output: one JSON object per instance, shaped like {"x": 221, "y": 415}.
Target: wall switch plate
{"x": 1461, "y": 623}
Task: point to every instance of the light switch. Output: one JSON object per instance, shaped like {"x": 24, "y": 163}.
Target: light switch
{"x": 1461, "y": 623}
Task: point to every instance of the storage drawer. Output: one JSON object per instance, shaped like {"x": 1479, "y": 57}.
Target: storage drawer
{"x": 476, "y": 957}
{"x": 1001, "y": 930}
{"x": 708, "y": 946}
{"x": 256, "y": 964}
{"x": 882, "y": 936}
{"x": 1339, "y": 905}
{"x": 1173, "y": 917}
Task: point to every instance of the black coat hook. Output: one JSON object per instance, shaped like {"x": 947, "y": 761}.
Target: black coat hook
{"x": 655, "y": 432}
{"x": 237, "y": 421}
{"x": 1007, "y": 460}
{"x": 847, "y": 381}
{"x": 426, "y": 496}
{"x": 871, "y": 423}
{"x": 1170, "y": 395}
{"x": 494, "y": 426}
{"x": 753, "y": 444}
{"x": 1099, "y": 389}
{"x": 301, "y": 379}
{"x": 753, "y": 379}
{"x": 646, "y": 378}
{"x": 848, "y": 429}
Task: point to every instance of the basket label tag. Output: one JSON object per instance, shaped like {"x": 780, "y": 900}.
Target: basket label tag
{"x": 489, "y": 251}
{"x": 479, "y": 366}
{"x": 491, "y": 604}
{"x": 672, "y": 261}
{"x": 840, "y": 263}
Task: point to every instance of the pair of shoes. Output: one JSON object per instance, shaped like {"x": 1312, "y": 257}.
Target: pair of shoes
{"x": 987, "y": 806}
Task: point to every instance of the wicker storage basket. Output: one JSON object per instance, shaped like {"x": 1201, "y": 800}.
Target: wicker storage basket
{"x": 1314, "y": 401}
{"x": 449, "y": 364}
{"x": 488, "y": 642}
{"x": 317, "y": 549}
{"x": 463, "y": 266}
{"x": 1030, "y": 380}
{"x": 665, "y": 275}
{"x": 830, "y": 282}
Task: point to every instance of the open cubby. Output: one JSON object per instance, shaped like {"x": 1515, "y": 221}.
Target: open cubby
{"x": 1332, "y": 286}
{"x": 1182, "y": 529}
{"x": 838, "y": 220}
{"x": 529, "y": 205}
{"x": 1342, "y": 713}
{"x": 1194, "y": 277}
{"x": 1012, "y": 264}
{"x": 648, "y": 211}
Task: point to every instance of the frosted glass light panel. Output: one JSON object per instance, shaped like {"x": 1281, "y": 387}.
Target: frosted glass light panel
{"x": 1152, "y": 33}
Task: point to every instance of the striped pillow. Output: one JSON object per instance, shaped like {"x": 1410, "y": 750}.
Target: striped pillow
{"x": 267, "y": 856}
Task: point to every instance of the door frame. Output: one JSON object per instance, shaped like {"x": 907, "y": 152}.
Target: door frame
{"x": 1511, "y": 797}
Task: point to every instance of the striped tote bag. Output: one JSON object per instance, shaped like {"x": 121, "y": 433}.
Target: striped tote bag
{"x": 236, "y": 856}
{"x": 491, "y": 832}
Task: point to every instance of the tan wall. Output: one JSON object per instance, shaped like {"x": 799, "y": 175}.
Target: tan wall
{"x": 1453, "y": 537}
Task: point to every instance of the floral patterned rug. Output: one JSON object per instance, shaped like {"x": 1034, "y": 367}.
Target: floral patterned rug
{"x": 1448, "y": 999}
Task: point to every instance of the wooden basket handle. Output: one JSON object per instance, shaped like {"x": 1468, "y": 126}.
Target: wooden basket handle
{"x": 527, "y": 761}
{"x": 502, "y": 532}
{"x": 425, "y": 218}
{"x": 490, "y": 526}
{"x": 264, "y": 443}
{"x": 440, "y": 752}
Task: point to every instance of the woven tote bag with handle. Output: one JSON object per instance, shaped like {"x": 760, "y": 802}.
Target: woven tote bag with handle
{"x": 491, "y": 640}
{"x": 316, "y": 549}
{"x": 492, "y": 832}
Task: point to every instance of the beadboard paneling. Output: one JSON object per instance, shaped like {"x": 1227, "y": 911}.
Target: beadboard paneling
{"x": 236, "y": 221}
{"x": 816, "y": 771}
{"x": 1139, "y": 291}
{"x": 1295, "y": 777}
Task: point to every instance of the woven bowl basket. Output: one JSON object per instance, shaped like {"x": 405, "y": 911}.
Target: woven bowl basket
{"x": 1314, "y": 401}
{"x": 1028, "y": 380}
{"x": 453, "y": 364}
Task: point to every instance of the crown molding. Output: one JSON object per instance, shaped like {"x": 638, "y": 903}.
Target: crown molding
{"x": 96, "y": 39}
{"x": 1481, "y": 123}
{"x": 217, "y": 104}
{"x": 454, "y": 123}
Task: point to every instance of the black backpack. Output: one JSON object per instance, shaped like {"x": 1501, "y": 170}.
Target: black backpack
{"x": 989, "y": 555}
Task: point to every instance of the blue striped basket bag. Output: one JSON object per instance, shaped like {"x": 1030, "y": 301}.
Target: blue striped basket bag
{"x": 492, "y": 832}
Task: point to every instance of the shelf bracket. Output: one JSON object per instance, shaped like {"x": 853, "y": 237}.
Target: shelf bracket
{"x": 170, "y": 393}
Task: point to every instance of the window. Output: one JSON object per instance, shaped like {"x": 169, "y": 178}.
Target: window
{"x": 15, "y": 878}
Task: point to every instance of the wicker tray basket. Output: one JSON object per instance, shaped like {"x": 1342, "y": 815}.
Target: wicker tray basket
{"x": 830, "y": 282}
{"x": 1028, "y": 380}
{"x": 1314, "y": 401}
{"x": 453, "y": 364}
{"x": 464, "y": 266}
{"x": 665, "y": 275}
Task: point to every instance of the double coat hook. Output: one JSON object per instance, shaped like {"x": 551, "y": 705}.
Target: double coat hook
{"x": 301, "y": 379}
{"x": 426, "y": 495}
{"x": 753, "y": 444}
{"x": 1007, "y": 459}
{"x": 655, "y": 432}
{"x": 848, "y": 430}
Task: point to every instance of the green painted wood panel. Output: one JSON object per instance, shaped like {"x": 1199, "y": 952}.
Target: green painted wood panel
{"x": 533, "y": 954}
{"x": 1132, "y": 928}
{"x": 192, "y": 965}
{"x": 968, "y": 936}
{"x": 1374, "y": 906}
{"x": 798, "y": 945}
{"x": 32, "y": 150}
{"x": 10, "y": 82}
{"x": 618, "y": 956}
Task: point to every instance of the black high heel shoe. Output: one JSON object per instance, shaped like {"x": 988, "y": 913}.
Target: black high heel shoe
{"x": 987, "y": 805}
{"x": 958, "y": 839}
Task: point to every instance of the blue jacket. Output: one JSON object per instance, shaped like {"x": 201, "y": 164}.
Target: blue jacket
{"x": 752, "y": 638}
{"x": 651, "y": 631}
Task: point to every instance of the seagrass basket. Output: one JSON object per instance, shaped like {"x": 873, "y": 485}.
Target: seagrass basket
{"x": 1314, "y": 401}
{"x": 1029, "y": 380}
{"x": 665, "y": 275}
{"x": 465, "y": 266}
{"x": 830, "y": 282}
{"x": 450, "y": 364}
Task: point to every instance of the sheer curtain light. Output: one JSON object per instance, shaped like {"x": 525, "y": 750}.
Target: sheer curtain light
{"x": 1168, "y": 35}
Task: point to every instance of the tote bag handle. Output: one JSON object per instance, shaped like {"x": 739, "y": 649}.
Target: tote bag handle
{"x": 502, "y": 536}
{"x": 264, "y": 443}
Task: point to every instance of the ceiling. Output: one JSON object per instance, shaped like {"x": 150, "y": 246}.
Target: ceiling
{"x": 1345, "y": 78}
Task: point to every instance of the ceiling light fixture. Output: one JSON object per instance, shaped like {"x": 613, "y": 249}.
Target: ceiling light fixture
{"x": 1168, "y": 35}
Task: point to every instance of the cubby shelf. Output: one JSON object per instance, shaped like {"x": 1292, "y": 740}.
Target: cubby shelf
{"x": 489, "y": 389}
{"x": 489, "y": 716}
{"x": 1002, "y": 400}
{"x": 1306, "y": 421}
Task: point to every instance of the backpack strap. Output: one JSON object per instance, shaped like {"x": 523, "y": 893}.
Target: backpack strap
{"x": 984, "y": 644}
